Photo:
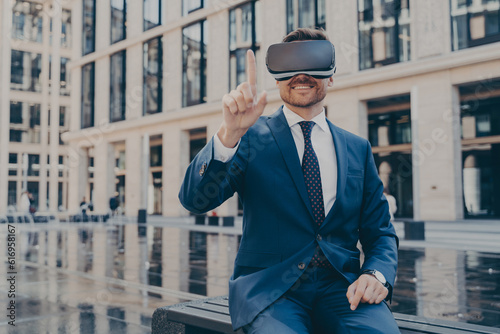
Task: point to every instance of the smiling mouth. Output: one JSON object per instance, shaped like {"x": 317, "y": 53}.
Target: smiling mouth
{"x": 302, "y": 87}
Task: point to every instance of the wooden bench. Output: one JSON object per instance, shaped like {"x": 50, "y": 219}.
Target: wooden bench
{"x": 211, "y": 316}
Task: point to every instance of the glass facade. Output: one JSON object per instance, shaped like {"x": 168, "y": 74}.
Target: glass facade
{"x": 88, "y": 33}
{"x": 117, "y": 87}
{"x": 384, "y": 32}
{"x": 27, "y": 21}
{"x": 153, "y": 73}
{"x": 118, "y": 20}
{"x": 153, "y": 13}
{"x": 24, "y": 122}
{"x": 25, "y": 71}
{"x": 189, "y": 6}
{"x": 480, "y": 121}
{"x": 88, "y": 80}
{"x": 243, "y": 35}
{"x": 194, "y": 64}
{"x": 389, "y": 133}
{"x": 305, "y": 14}
{"x": 474, "y": 23}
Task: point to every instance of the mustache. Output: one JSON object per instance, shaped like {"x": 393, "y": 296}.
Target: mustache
{"x": 302, "y": 80}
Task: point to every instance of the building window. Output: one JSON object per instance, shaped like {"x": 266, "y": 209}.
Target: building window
{"x": 243, "y": 35}
{"x": 480, "y": 119}
{"x": 197, "y": 140}
{"x": 25, "y": 122}
{"x": 27, "y": 21}
{"x": 305, "y": 14}
{"x": 25, "y": 71}
{"x": 88, "y": 79}
{"x": 33, "y": 165}
{"x": 12, "y": 195}
{"x": 189, "y": 6}
{"x": 153, "y": 14}
{"x": 194, "y": 64}
{"x": 12, "y": 164}
{"x": 474, "y": 23}
{"x": 153, "y": 73}
{"x": 88, "y": 38}
{"x": 384, "y": 32}
{"x": 389, "y": 133}
{"x": 118, "y": 20}
{"x": 117, "y": 87}
{"x": 156, "y": 156}
{"x": 63, "y": 76}
{"x": 67, "y": 33}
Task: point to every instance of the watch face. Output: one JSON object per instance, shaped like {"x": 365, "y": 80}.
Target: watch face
{"x": 380, "y": 277}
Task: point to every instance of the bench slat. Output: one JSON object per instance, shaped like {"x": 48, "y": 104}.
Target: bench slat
{"x": 213, "y": 314}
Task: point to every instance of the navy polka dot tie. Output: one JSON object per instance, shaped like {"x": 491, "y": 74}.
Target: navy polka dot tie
{"x": 312, "y": 177}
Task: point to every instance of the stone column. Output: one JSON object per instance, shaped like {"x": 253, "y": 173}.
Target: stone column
{"x": 435, "y": 194}
{"x": 103, "y": 23}
{"x": 6, "y": 23}
{"x": 218, "y": 56}
{"x": 103, "y": 176}
{"x": 78, "y": 175}
{"x": 133, "y": 150}
{"x": 173, "y": 152}
{"x": 101, "y": 92}
{"x": 275, "y": 30}
{"x": 134, "y": 82}
{"x": 342, "y": 29}
{"x": 430, "y": 28}
{"x": 44, "y": 110}
{"x": 172, "y": 71}
{"x": 54, "y": 105}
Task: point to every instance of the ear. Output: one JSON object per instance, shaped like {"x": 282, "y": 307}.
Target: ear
{"x": 330, "y": 81}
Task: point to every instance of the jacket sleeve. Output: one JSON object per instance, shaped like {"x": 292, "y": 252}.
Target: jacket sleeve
{"x": 209, "y": 182}
{"x": 377, "y": 235}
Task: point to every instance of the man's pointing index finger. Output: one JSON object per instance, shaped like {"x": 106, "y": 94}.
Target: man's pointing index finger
{"x": 251, "y": 72}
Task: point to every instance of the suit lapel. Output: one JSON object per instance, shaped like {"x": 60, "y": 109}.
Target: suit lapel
{"x": 341, "y": 153}
{"x": 281, "y": 132}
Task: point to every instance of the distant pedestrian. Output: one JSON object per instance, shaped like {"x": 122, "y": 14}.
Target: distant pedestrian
{"x": 24, "y": 202}
{"x": 114, "y": 203}
{"x": 392, "y": 203}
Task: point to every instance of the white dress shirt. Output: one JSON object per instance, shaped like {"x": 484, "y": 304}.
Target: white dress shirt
{"x": 322, "y": 142}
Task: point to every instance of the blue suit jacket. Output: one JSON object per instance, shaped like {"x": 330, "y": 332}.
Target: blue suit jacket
{"x": 279, "y": 234}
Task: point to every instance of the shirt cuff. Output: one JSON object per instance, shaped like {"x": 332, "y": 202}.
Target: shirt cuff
{"x": 221, "y": 152}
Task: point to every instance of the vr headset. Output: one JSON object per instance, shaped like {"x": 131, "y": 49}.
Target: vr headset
{"x": 315, "y": 58}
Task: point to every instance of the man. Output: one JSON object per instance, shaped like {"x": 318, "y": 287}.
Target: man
{"x": 310, "y": 191}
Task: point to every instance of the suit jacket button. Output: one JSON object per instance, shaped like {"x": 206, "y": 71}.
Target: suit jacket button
{"x": 301, "y": 265}
{"x": 203, "y": 169}
{"x": 319, "y": 237}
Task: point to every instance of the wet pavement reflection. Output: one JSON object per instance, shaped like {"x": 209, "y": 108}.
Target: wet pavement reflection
{"x": 86, "y": 278}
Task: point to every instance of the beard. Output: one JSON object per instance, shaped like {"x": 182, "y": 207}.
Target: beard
{"x": 298, "y": 100}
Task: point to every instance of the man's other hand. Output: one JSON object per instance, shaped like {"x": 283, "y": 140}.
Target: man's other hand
{"x": 366, "y": 289}
{"x": 241, "y": 108}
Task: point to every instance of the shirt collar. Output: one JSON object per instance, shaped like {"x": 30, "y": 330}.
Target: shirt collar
{"x": 292, "y": 119}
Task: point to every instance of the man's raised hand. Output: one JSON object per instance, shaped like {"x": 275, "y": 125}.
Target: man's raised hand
{"x": 241, "y": 108}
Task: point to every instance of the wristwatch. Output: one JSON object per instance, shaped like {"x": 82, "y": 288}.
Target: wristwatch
{"x": 378, "y": 275}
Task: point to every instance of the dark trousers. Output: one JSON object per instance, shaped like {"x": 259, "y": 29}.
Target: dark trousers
{"x": 317, "y": 303}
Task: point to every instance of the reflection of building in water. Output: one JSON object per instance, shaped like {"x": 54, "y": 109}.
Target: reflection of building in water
{"x": 175, "y": 259}
{"x": 221, "y": 249}
{"x": 442, "y": 296}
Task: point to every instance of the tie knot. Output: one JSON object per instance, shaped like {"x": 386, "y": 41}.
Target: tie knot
{"x": 307, "y": 128}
